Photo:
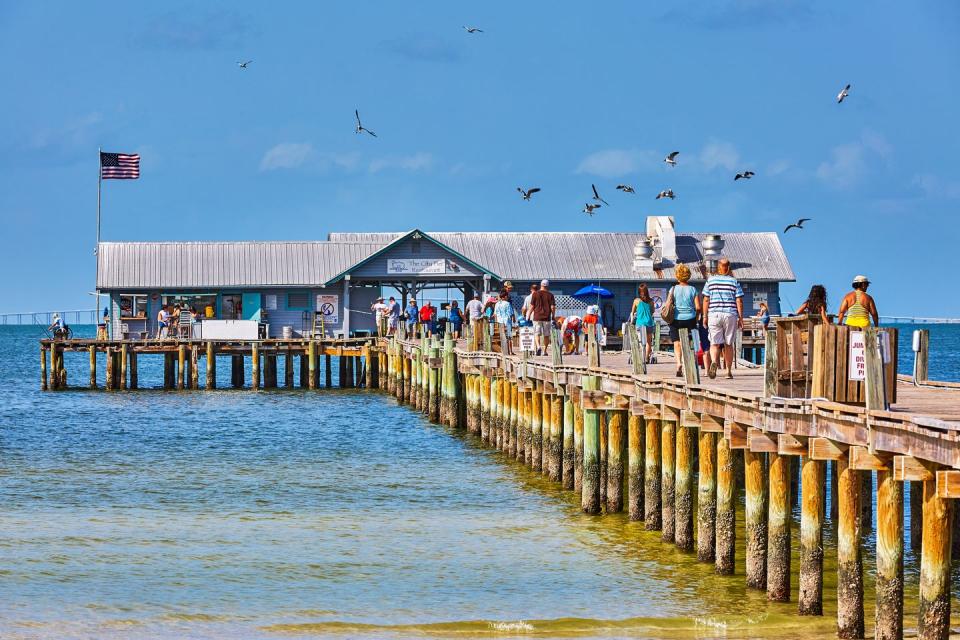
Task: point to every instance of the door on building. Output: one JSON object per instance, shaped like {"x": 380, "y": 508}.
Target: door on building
{"x": 250, "y": 305}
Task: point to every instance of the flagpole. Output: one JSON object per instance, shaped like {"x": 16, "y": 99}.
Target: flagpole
{"x": 96, "y": 251}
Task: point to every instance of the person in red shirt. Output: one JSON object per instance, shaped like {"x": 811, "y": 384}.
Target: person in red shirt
{"x": 427, "y": 313}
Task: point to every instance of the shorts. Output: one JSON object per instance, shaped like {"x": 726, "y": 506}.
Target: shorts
{"x": 542, "y": 327}
{"x": 676, "y": 325}
{"x": 392, "y": 322}
{"x": 723, "y": 329}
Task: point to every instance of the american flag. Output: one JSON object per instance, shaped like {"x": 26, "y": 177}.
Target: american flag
{"x": 121, "y": 166}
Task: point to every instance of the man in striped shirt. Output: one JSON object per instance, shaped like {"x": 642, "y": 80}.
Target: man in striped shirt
{"x": 722, "y": 315}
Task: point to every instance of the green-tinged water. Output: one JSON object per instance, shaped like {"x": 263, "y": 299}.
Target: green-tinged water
{"x": 294, "y": 514}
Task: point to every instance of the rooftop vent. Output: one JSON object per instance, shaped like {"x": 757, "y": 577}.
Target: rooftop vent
{"x": 643, "y": 255}
{"x": 712, "y": 247}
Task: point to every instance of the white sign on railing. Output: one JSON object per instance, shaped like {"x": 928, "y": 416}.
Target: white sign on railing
{"x": 857, "y": 364}
{"x": 526, "y": 339}
{"x": 416, "y": 265}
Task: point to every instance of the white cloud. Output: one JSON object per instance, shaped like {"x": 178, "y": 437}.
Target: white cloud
{"x": 417, "y": 162}
{"x": 614, "y": 163}
{"x": 936, "y": 187}
{"x": 850, "y": 161}
{"x": 718, "y": 154}
{"x": 286, "y": 155}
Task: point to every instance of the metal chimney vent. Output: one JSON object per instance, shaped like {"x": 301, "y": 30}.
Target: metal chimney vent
{"x": 712, "y": 247}
{"x": 643, "y": 255}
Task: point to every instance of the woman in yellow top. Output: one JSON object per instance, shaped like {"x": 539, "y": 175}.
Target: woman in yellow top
{"x": 858, "y": 308}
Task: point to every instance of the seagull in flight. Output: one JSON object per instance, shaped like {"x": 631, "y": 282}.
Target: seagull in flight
{"x": 596, "y": 196}
{"x": 746, "y": 175}
{"x": 626, "y": 188}
{"x": 360, "y": 128}
{"x": 843, "y": 94}
{"x": 527, "y": 193}
{"x": 590, "y": 208}
{"x": 671, "y": 158}
{"x": 243, "y": 65}
{"x": 797, "y": 225}
{"x": 472, "y": 30}
{"x": 666, "y": 193}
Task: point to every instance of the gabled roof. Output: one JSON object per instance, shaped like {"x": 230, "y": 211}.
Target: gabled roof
{"x": 391, "y": 243}
{"x": 599, "y": 256}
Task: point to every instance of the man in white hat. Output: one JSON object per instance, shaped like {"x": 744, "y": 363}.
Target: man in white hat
{"x": 857, "y": 307}
{"x": 380, "y": 310}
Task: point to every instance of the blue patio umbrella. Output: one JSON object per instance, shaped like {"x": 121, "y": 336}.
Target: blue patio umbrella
{"x": 593, "y": 290}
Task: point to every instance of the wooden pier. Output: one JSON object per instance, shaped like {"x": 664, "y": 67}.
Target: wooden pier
{"x": 637, "y": 438}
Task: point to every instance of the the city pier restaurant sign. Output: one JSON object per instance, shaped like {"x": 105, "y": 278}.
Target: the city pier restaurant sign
{"x": 421, "y": 266}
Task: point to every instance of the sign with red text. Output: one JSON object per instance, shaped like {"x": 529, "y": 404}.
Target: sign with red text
{"x": 857, "y": 363}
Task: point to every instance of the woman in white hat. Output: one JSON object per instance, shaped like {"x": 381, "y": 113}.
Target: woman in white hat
{"x": 858, "y": 308}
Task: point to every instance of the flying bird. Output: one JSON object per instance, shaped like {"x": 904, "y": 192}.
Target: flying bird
{"x": 527, "y": 193}
{"x": 671, "y": 158}
{"x": 746, "y": 175}
{"x": 626, "y": 188}
{"x": 473, "y": 30}
{"x": 666, "y": 193}
{"x": 590, "y": 208}
{"x": 596, "y": 196}
{"x": 843, "y": 94}
{"x": 243, "y": 65}
{"x": 360, "y": 127}
{"x": 797, "y": 225}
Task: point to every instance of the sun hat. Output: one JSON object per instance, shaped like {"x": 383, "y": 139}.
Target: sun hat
{"x": 861, "y": 279}
{"x": 544, "y": 283}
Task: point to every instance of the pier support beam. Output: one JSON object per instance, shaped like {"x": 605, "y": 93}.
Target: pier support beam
{"x": 132, "y": 365}
{"x": 849, "y": 560}
{"x": 616, "y": 448}
{"x": 43, "y": 369}
{"x": 484, "y": 408}
{"x": 568, "y": 452}
{"x": 667, "y": 479}
{"x": 889, "y": 585}
{"x": 934, "y": 616}
{"x": 810, "y": 598}
{"x": 288, "y": 369}
{"x": 211, "y": 366}
{"x": 516, "y": 448}
{"x": 652, "y": 502}
{"x": 255, "y": 365}
{"x": 778, "y": 532}
{"x": 194, "y": 369}
{"x": 590, "y": 495}
{"x": 545, "y": 427}
{"x": 93, "y": 368}
{"x": 635, "y": 461}
{"x": 305, "y": 377}
{"x": 726, "y": 515}
{"x": 755, "y": 507}
{"x": 108, "y": 365}
{"x": 434, "y": 384}
{"x": 577, "y": 445}
{"x": 707, "y": 497}
{"x": 311, "y": 365}
{"x": 604, "y": 433}
{"x": 683, "y": 490}
{"x": 169, "y": 371}
{"x": 556, "y": 438}
{"x": 916, "y": 515}
{"x": 123, "y": 366}
{"x": 181, "y": 366}
{"x": 448, "y": 402}
{"x": 536, "y": 430}
{"x": 236, "y": 372}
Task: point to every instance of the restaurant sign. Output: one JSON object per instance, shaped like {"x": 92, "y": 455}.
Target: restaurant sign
{"x": 416, "y": 266}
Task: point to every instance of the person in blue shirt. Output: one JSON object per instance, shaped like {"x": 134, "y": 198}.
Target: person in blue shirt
{"x": 413, "y": 314}
{"x": 456, "y": 320}
{"x": 643, "y": 320}
{"x": 686, "y": 305}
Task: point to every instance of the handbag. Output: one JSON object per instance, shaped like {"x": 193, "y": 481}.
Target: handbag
{"x": 667, "y": 311}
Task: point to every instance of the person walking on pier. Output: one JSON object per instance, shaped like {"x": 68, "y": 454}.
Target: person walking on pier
{"x": 857, "y": 307}
{"x": 378, "y": 309}
{"x": 642, "y": 314}
{"x": 505, "y": 316}
{"x": 527, "y": 310}
{"x": 455, "y": 319}
{"x": 686, "y": 308}
{"x": 411, "y": 315}
{"x": 816, "y": 303}
{"x": 427, "y": 314}
{"x": 393, "y": 316}
{"x": 722, "y": 315}
{"x": 163, "y": 322}
{"x": 544, "y": 307}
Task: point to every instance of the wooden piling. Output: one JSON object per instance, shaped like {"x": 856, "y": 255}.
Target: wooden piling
{"x": 635, "y": 460}
{"x": 211, "y": 366}
{"x": 288, "y": 369}
{"x": 93, "y": 367}
{"x": 568, "y": 452}
{"x": 496, "y": 397}
{"x": 916, "y": 515}
{"x": 577, "y": 445}
{"x": 237, "y": 373}
{"x": 683, "y": 489}
{"x": 707, "y": 497}
{"x": 866, "y": 502}
{"x": 536, "y": 430}
{"x": 328, "y": 371}
{"x": 123, "y": 365}
{"x": 132, "y": 366}
{"x": 255, "y": 364}
{"x": 616, "y": 450}
{"x": 889, "y": 583}
{"x": 527, "y": 420}
{"x": 434, "y": 384}
{"x": 934, "y": 616}
{"x": 667, "y": 480}
{"x": 849, "y": 560}
{"x": 519, "y": 452}
{"x": 590, "y": 495}
{"x": 726, "y": 504}
{"x": 169, "y": 371}
{"x": 312, "y": 364}
{"x": 810, "y": 597}
{"x": 755, "y": 514}
{"x": 514, "y": 421}
{"x": 485, "y": 393}
{"x": 305, "y": 377}
{"x": 181, "y": 366}
{"x": 545, "y": 429}
{"x": 653, "y": 519}
{"x": 448, "y": 399}
{"x": 556, "y": 438}
{"x": 108, "y": 362}
{"x": 43, "y": 369}
{"x": 778, "y": 529}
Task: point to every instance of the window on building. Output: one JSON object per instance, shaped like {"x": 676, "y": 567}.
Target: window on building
{"x": 133, "y": 305}
{"x": 298, "y": 300}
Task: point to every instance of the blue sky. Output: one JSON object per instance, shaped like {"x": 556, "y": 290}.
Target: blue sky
{"x": 556, "y": 95}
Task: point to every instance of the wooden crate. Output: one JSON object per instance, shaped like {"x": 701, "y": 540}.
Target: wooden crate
{"x": 830, "y": 366}
{"x": 794, "y": 357}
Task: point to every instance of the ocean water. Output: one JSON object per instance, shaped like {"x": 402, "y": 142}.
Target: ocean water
{"x": 234, "y": 514}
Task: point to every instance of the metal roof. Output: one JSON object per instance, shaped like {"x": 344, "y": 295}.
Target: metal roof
{"x": 598, "y": 256}
{"x": 191, "y": 265}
